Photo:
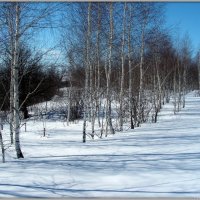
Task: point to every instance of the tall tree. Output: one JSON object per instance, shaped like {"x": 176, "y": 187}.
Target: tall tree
{"x": 122, "y": 66}
{"x": 87, "y": 71}
{"x": 15, "y": 79}
{"x": 19, "y": 20}
{"x": 108, "y": 73}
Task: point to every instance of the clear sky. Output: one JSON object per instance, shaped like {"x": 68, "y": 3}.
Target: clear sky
{"x": 181, "y": 18}
{"x": 186, "y": 16}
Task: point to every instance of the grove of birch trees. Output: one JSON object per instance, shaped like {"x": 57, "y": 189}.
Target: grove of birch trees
{"x": 121, "y": 62}
{"x": 129, "y": 64}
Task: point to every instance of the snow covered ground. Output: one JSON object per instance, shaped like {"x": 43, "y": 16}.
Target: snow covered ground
{"x": 155, "y": 160}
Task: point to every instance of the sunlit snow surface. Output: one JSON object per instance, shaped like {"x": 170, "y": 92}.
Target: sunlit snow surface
{"x": 155, "y": 160}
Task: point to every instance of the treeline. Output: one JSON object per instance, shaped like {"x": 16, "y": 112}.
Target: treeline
{"x": 37, "y": 82}
{"x": 123, "y": 53}
{"x": 121, "y": 63}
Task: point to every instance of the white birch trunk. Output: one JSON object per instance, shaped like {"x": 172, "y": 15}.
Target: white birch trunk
{"x": 179, "y": 89}
{"x": 16, "y": 122}
{"x": 69, "y": 105}
{"x": 130, "y": 95}
{"x": 86, "y": 74}
{"x": 157, "y": 89}
{"x": 108, "y": 105}
{"x": 174, "y": 87}
{"x": 11, "y": 117}
{"x": 2, "y": 148}
{"x": 184, "y": 84}
{"x": 122, "y": 69}
{"x": 98, "y": 66}
{"x": 140, "y": 95}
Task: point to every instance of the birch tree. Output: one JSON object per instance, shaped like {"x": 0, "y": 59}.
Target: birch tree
{"x": 108, "y": 74}
{"x": 20, "y": 20}
{"x": 144, "y": 21}
{"x": 122, "y": 67}
{"x": 2, "y": 148}
{"x": 15, "y": 79}
{"x": 87, "y": 68}
{"x": 185, "y": 55}
{"x": 130, "y": 89}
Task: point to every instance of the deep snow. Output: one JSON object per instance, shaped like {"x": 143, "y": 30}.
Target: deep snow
{"x": 155, "y": 160}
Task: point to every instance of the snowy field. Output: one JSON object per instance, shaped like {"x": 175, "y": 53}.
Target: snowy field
{"x": 155, "y": 160}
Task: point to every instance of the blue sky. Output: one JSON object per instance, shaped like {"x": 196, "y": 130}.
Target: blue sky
{"x": 186, "y": 16}
{"x": 181, "y": 18}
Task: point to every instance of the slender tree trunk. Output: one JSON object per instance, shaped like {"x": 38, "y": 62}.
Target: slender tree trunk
{"x": 11, "y": 81}
{"x": 108, "y": 107}
{"x": 98, "y": 65}
{"x": 69, "y": 105}
{"x": 90, "y": 89}
{"x": 159, "y": 85}
{"x": 184, "y": 83}
{"x": 92, "y": 92}
{"x": 69, "y": 113}
{"x": 130, "y": 95}
{"x": 85, "y": 113}
{"x": 2, "y": 147}
{"x": 174, "y": 87}
{"x": 11, "y": 106}
{"x": 16, "y": 121}
{"x": 107, "y": 96}
{"x": 179, "y": 89}
{"x": 122, "y": 69}
{"x": 154, "y": 95}
{"x": 140, "y": 95}
{"x": 157, "y": 89}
